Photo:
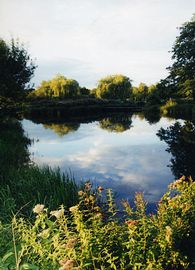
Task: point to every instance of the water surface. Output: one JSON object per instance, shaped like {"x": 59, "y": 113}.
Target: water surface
{"x": 125, "y": 157}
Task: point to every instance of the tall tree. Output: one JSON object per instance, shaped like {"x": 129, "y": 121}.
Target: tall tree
{"x": 114, "y": 87}
{"x": 183, "y": 50}
{"x": 16, "y": 69}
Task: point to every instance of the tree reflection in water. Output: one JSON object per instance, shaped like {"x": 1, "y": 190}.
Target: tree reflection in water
{"x": 62, "y": 129}
{"x": 181, "y": 144}
{"x": 117, "y": 123}
{"x": 13, "y": 145}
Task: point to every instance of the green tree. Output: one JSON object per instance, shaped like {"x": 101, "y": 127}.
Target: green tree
{"x": 140, "y": 93}
{"x": 114, "y": 87}
{"x": 182, "y": 72}
{"x": 183, "y": 50}
{"x": 84, "y": 91}
{"x": 59, "y": 86}
{"x": 17, "y": 68}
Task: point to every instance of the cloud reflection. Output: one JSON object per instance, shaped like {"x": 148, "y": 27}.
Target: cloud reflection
{"x": 124, "y": 169}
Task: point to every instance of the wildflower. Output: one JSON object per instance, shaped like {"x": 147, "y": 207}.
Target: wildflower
{"x": 80, "y": 193}
{"x": 68, "y": 265}
{"x": 97, "y": 216}
{"x": 91, "y": 198}
{"x": 45, "y": 233}
{"x": 179, "y": 181}
{"x": 57, "y": 213}
{"x": 131, "y": 222}
{"x": 168, "y": 233}
{"x": 125, "y": 203}
{"x": 88, "y": 186}
{"x": 38, "y": 208}
{"x": 97, "y": 208}
{"x": 71, "y": 242}
{"x": 100, "y": 189}
{"x": 73, "y": 208}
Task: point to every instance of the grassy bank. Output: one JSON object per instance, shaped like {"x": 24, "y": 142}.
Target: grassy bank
{"x": 24, "y": 187}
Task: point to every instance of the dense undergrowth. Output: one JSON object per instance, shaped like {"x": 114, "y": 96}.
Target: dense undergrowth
{"x": 91, "y": 234}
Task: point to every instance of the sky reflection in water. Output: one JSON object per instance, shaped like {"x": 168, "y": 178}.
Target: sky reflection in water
{"x": 134, "y": 160}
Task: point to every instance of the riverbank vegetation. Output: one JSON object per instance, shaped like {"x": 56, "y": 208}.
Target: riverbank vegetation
{"x": 75, "y": 238}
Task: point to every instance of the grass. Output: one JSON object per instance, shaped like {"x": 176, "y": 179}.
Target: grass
{"x": 27, "y": 186}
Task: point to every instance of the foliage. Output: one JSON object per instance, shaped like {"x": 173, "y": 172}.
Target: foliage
{"x": 183, "y": 50}
{"x": 114, "y": 87}
{"x": 181, "y": 144}
{"x": 84, "y": 91}
{"x": 140, "y": 93}
{"x": 182, "y": 72}
{"x": 165, "y": 240}
{"x": 118, "y": 123}
{"x": 59, "y": 86}
{"x": 17, "y": 68}
{"x": 187, "y": 89}
{"x": 165, "y": 109}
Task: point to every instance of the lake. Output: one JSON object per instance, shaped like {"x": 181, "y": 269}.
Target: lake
{"x": 123, "y": 153}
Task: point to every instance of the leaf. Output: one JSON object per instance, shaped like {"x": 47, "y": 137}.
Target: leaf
{"x": 28, "y": 266}
{"x": 6, "y": 256}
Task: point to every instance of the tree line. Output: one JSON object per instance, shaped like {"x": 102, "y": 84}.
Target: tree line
{"x": 17, "y": 68}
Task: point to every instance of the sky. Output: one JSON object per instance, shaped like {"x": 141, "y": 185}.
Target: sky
{"x": 89, "y": 39}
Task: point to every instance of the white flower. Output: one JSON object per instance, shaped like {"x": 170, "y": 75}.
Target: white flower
{"x": 68, "y": 265}
{"x": 73, "y": 208}
{"x": 38, "y": 208}
{"x": 57, "y": 213}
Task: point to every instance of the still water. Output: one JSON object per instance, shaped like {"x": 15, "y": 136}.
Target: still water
{"x": 126, "y": 156}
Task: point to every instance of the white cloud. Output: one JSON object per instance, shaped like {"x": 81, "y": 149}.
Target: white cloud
{"x": 89, "y": 39}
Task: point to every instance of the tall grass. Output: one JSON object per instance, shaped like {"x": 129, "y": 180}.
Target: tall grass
{"x": 25, "y": 187}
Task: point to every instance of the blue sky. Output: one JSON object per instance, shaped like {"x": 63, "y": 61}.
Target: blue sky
{"x": 89, "y": 39}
